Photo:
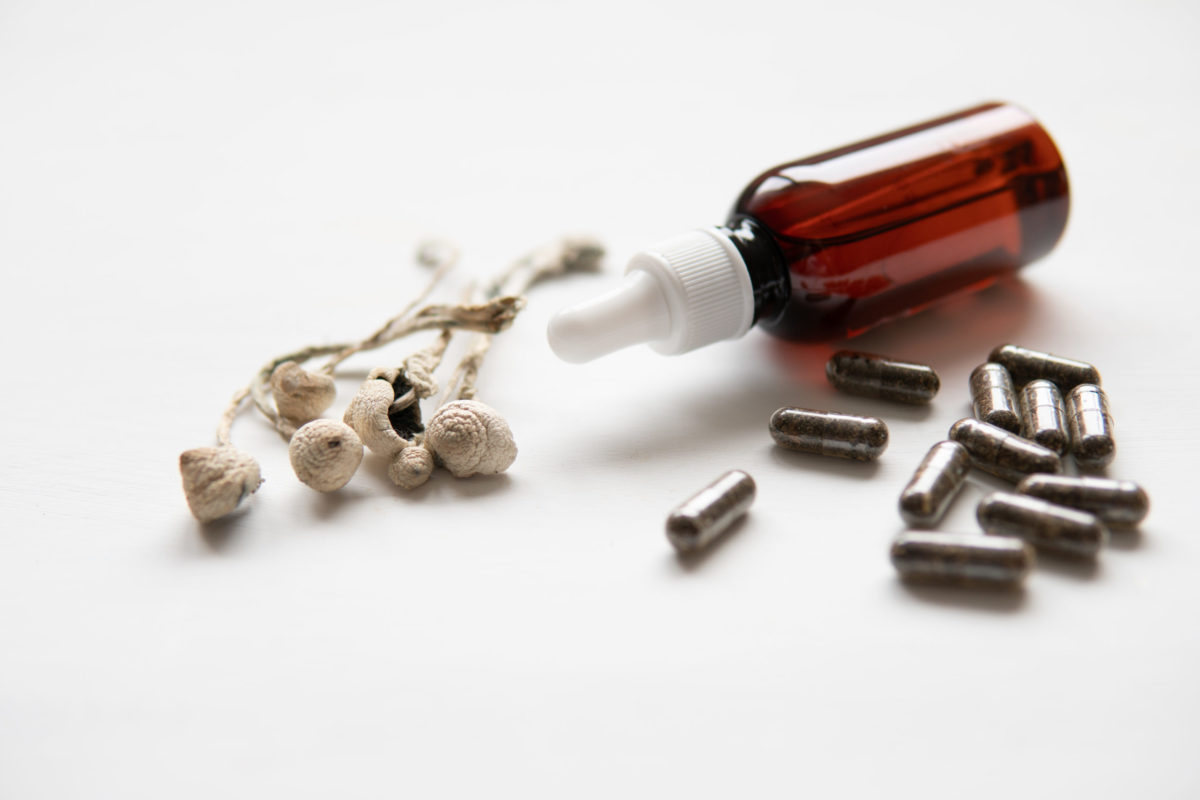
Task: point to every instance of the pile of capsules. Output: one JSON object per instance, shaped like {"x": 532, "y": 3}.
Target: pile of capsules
{"x": 1018, "y": 436}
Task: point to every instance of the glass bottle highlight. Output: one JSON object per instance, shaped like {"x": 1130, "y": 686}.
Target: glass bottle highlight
{"x": 830, "y": 245}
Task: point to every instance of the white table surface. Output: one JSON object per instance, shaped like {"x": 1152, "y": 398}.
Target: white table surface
{"x": 187, "y": 190}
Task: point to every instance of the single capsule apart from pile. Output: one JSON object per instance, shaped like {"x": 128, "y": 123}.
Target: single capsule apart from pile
{"x": 968, "y": 559}
{"x": 870, "y": 375}
{"x": 1046, "y": 526}
{"x": 1116, "y": 503}
{"x": 934, "y": 485}
{"x": 1001, "y": 453}
{"x": 1043, "y": 416}
{"x": 709, "y": 513}
{"x": 1026, "y": 365}
{"x": 828, "y": 433}
{"x": 993, "y": 397}
{"x": 1091, "y": 427}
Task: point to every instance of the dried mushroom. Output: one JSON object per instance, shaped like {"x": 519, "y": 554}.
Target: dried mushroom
{"x": 470, "y": 438}
{"x": 217, "y": 479}
{"x": 301, "y": 396}
{"x": 385, "y": 425}
{"x": 411, "y": 467}
{"x": 325, "y": 454}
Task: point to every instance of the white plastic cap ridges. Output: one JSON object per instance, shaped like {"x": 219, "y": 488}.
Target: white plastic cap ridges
{"x": 683, "y": 293}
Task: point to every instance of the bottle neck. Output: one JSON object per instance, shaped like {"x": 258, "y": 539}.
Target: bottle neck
{"x": 764, "y": 261}
{"x": 685, "y": 292}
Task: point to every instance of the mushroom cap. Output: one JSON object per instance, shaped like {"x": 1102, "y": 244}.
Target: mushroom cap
{"x": 217, "y": 479}
{"x": 325, "y": 454}
{"x": 411, "y": 467}
{"x": 300, "y": 395}
{"x": 367, "y": 414}
{"x": 470, "y": 438}
{"x": 389, "y": 374}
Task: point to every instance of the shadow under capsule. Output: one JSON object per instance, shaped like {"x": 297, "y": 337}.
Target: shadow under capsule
{"x": 1125, "y": 538}
{"x": 1082, "y": 569}
{"x": 813, "y": 462}
{"x": 997, "y": 599}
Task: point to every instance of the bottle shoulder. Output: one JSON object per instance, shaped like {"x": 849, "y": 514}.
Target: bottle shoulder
{"x": 892, "y": 180}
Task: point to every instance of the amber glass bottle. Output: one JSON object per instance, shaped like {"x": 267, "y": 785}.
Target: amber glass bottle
{"x": 838, "y": 242}
{"x": 886, "y": 226}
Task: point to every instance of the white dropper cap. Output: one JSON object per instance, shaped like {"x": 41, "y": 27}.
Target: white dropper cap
{"x": 683, "y": 293}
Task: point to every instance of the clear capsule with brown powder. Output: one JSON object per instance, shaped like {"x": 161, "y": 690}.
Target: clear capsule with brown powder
{"x": 961, "y": 559}
{"x": 993, "y": 397}
{"x": 829, "y": 433}
{"x": 703, "y": 517}
{"x": 1003, "y": 454}
{"x": 1026, "y": 365}
{"x": 936, "y": 482}
{"x": 1118, "y": 503}
{"x": 1091, "y": 427}
{"x": 1056, "y": 529}
{"x": 1043, "y": 415}
{"x": 881, "y": 377}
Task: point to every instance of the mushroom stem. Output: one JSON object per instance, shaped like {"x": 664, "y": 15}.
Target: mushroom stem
{"x": 467, "y": 370}
{"x": 229, "y": 414}
{"x": 403, "y": 401}
{"x": 570, "y": 254}
{"x": 444, "y": 263}
{"x": 490, "y": 317}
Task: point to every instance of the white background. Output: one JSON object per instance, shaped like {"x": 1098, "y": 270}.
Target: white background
{"x": 187, "y": 190}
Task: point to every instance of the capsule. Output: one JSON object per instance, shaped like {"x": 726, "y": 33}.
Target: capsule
{"x": 1116, "y": 503}
{"x": 878, "y": 376}
{"x": 1091, "y": 427}
{"x": 1047, "y": 527}
{"x": 1026, "y": 365}
{"x": 935, "y": 483}
{"x": 708, "y": 513}
{"x": 1043, "y": 417}
{"x": 969, "y": 559}
{"x": 993, "y": 397}
{"x": 1001, "y": 453}
{"x": 828, "y": 433}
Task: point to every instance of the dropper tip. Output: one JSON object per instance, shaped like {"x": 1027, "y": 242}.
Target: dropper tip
{"x": 633, "y": 311}
{"x": 570, "y": 337}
